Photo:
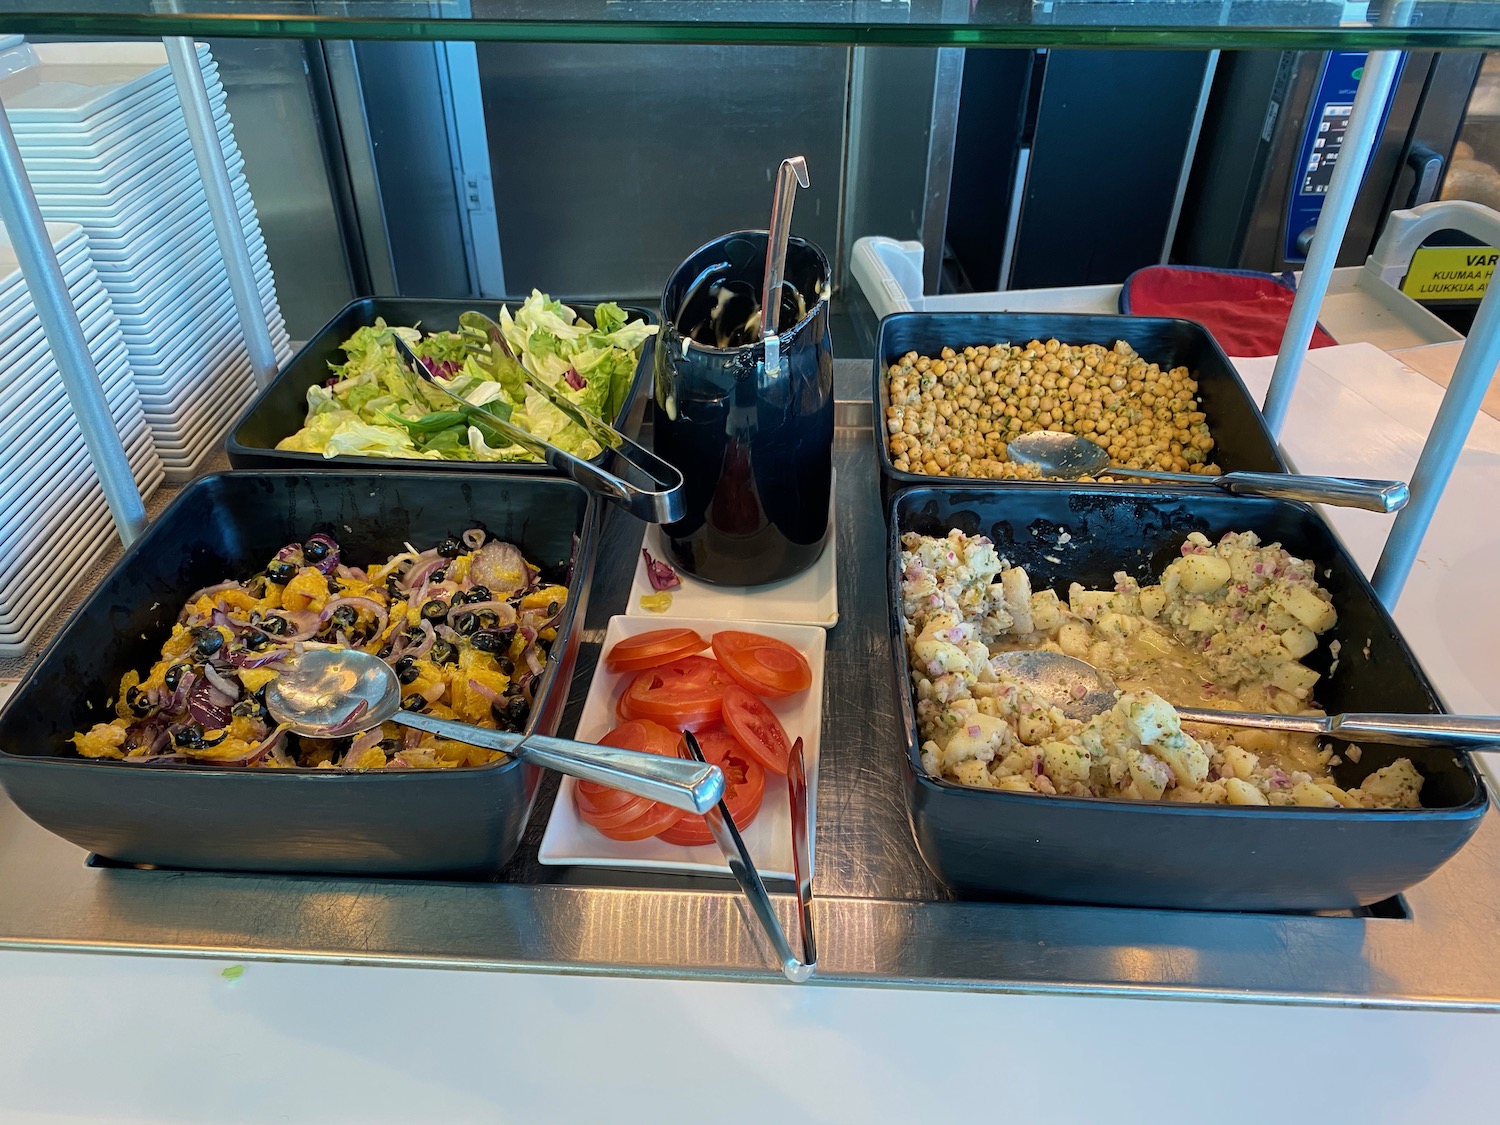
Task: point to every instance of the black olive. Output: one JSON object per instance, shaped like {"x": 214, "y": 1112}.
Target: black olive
{"x": 450, "y": 548}
{"x": 274, "y": 625}
{"x": 488, "y": 640}
{"x": 282, "y": 572}
{"x": 393, "y": 586}
{"x": 345, "y": 616}
{"x": 480, "y": 594}
{"x": 415, "y": 636}
{"x": 487, "y": 619}
{"x": 190, "y": 735}
{"x": 413, "y": 702}
{"x": 385, "y": 651}
{"x": 256, "y": 587}
{"x": 552, "y": 608}
{"x": 333, "y": 584}
{"x": 390, "y": 745}
{"x": 500, "y": 717}
{"x": 465, "y": 623}
{"x": 174, "y": 675}
{"x": 438, "y": 575}
{"x": 516, "y": 708}
{"x": 209, "y": 641}
{"x": 315, "y": 551}
{"x": 434, "y": 610}
{"x": 260, "y": 694}
{"x": 406, "y": 670}
{"x": 256, "y": 640}
{"x": 139, "y": 705}
{"x": 507, "y": 665}
{"x": 442, "y": 652}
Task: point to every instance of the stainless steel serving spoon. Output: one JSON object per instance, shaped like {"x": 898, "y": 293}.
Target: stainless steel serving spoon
{"x": 1070, "y": 456}
{"x": 331, "y": 693}
{"x": 1081, "y": 691}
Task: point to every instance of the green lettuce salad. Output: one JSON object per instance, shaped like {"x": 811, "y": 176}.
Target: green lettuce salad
{"x": 371, "y": 407}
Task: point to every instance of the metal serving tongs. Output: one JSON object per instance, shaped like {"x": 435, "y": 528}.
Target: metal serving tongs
{"x": 664, "y": 502}
{"x": 721, "y": 825}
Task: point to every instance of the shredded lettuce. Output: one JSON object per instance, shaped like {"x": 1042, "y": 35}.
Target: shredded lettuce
{"x": 372, "y": 407}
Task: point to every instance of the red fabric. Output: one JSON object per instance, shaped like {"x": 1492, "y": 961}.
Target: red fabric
{"x": 1246, "y": 313}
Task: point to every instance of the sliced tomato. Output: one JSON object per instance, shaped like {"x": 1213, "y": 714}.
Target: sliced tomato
{"x": 764, "y": 665}
{"x": 744, "y": 790}
{"x": 697, "y": 670}
{"x": 757, "y": 728}
{"x": 717, "y": 744}
{"x": 633, "y": 818}
{"x": 673, "y": 701}
{"x": 647, "y": 650}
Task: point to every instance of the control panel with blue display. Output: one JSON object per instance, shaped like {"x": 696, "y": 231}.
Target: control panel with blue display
{"x": 1322, "y": 142}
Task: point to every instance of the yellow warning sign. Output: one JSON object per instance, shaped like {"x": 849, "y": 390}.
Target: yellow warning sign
{"x": 1449, "y": 273}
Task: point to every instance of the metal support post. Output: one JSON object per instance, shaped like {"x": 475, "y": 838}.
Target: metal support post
{"x": 1445, "y": 441}
{"x": 1328, "y": 236}
{"x": 54, "y": 305}
{"x": 192, "y": 91}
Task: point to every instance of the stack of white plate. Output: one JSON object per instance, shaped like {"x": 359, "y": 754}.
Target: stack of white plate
{"x": 105, "y": 143}
{"x": 54, "y": 522}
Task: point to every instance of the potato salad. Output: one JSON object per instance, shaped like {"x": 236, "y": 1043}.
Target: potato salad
{"x": 1226, "y": 626}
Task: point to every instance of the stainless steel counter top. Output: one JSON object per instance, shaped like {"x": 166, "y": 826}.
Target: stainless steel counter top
{"x": 882, "y": 919}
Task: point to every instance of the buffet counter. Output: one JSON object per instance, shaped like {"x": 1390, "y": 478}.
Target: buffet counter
{"x": 647, "y": 981}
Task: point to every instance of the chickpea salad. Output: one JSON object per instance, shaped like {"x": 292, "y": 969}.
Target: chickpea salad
{"x": 1226, "y": 627}
{"x": 955, "y": 413}
{"x": 466, "y": 625}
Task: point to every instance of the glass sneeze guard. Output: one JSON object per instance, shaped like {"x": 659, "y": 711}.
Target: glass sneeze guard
{"x": 931, "y": 23}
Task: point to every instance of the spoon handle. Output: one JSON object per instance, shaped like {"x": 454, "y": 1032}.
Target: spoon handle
{"x": 693, "y": 786}
{"x": 1397, "y": 730}
{"x": 1342, "y": 492}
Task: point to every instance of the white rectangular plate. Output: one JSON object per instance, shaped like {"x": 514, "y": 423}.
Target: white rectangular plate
{"x": 570, "y": 841}
{"x": 809, "y": 598}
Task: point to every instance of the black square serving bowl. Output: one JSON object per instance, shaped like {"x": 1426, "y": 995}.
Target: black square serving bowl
{"x": 987, "y": 843}
{"x": 1239, "y": 430}
{"x": 280, "y": 410}
{"x": 459, "y": 823}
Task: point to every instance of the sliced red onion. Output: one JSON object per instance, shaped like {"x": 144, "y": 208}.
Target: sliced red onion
{"x": 574, "y": 380}
{"x": 489, "y": 693}
{"x": 246, "y": 659}
{"x": 422, "y": 647}
{"x": 417, "y": 577}
{"x": 501, "y": 567}
{"x": 660, "y": 574}
{"x": 362, "y": 743}
{"x": 473, "y": 538}
{"x": 304, "y": 624}
{"x": 370, "y": 605}
{"x": 331, "y": 560}
{"x": 218, "y": 588}
{"x": 448, "y": 633}
{"x": 277, "y": 751}
{"x": 221, "y": 685}
{"x": 208, "y": 706}
{"x": 433, "y": 692}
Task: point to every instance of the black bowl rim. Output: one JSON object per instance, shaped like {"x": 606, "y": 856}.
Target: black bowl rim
{"x": 47, "y": 761}
{"x": 1470, "y": 809}
{"x": 905, "y": 479}
{"x": 668, "y": 326}
{"x": 234, "y": 446}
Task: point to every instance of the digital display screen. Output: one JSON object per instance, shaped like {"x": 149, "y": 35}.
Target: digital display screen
{"x": 1325, "y": 151}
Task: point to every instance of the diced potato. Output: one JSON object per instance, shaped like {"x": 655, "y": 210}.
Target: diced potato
{"x": 1088, "y": 604}
{"x": 1046, "y": 610}
{"x": 1294, "y": 678}
{"x": 972, "y": 772}
{"x": 1153, "y": 601}
{"x": 1203, "y": 618}
{"x": 1116, "y": 626}
{"x": 1239, "y": 792}
{"x": 1203, "y": 574}
{"x": 1015, "y": 585}
{"x": 1065, "y": 761}
{"x": 1308, "y": 608}
{"x": 1241, "y": 761}
{"x": 1314, "y": 796}
{"x": 1149, "y": 773}
{"x": 1074, "y": 638}
{"x": 1299, "y": 641}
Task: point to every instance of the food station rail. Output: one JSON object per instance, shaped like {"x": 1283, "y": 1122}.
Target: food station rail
{"x": 881, "y": 918}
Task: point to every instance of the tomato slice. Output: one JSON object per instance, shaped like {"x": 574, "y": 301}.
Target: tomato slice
{"x": 757, "y": 728}
{"x": 634, "y": 818}
{"x": 647, "y": 650}
{"x": 717, "y": 744}
{"x": 744, "y": 790}
{"x": 673, "y": 700}
{"x": 764, "y": 665}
